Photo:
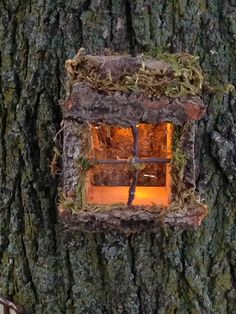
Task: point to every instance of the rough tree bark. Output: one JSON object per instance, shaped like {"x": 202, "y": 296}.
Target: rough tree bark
{"x": 169, "y": 272}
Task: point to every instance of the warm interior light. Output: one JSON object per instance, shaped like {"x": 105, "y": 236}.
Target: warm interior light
{"x": 109, "y": 181}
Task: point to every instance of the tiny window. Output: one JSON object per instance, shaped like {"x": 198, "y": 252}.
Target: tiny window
{"x": 128, "y": 152}
{"x": 132, "y": 165}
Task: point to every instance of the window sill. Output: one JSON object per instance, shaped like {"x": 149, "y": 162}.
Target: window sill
{"x": 133, "y": 220}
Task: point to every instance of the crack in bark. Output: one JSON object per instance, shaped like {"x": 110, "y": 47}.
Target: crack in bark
{"x": 130, "y": 30}
{"x": 101, "y": 266}
{"x": 85, "y": 7}
{"x": 69, "y": 292}
{"x": 150, "y": 22}
{"x": 29, "y": 272}
{"x": 232, "y": 271}
{"x": 27, "y": 50}
{"x": 3, "y": 114}
{"x": 112, "y": 21}
{"x": 134, "y": 272}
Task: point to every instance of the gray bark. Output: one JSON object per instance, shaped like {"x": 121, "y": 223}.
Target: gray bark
{"x": 167, "y": 272}
{"x": 84, "y": 104}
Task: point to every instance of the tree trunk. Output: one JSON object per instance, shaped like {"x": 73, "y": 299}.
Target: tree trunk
{"x": 169, "y": 272}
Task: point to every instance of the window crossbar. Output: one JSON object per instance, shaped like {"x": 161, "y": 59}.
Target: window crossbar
{"x": 132, "y": 161}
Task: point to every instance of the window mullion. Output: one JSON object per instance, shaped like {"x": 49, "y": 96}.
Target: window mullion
{"x": 134, "y": 180}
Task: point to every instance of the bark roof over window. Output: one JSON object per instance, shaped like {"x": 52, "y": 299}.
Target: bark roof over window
{"x": 172, "y": 75}
{"x": 125, "y": 90}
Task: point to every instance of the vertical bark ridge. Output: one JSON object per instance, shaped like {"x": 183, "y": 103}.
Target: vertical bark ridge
{"x": 132, "y": 256}
{"x": 69, "y": 304}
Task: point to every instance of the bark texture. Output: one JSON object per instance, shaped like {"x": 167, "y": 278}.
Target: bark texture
{"x": 166, "y": 272}
{"x": 85, "y": 104}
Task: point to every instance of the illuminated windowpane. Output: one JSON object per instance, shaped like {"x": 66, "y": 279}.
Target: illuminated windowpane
{"x": 109, "y": 142}
{"x": 152, "y": 175}
{"x": 113, "y": 149}
{"x": 108, "y": 175}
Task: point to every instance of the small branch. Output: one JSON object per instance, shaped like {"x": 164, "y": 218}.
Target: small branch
{"x": 134, "y": 180}
{"x": 132, "y": 188}
{"x": 149, "y": 160}
{"x": 136, "y": 140}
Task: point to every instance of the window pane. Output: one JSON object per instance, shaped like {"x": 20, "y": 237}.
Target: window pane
{"x": 109, "y": 142}
{"x": 109, "y": 175}
{"x": 153, "y": 140}
{"x": 152, "y": 143}
{"x": 152, "y": 175}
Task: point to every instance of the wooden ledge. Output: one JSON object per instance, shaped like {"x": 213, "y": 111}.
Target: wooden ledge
{"x": 133, "y": 220}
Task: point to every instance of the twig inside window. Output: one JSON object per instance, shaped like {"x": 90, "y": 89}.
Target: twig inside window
{"x": 135, "y": 174}
{"x": 147, "y": 160}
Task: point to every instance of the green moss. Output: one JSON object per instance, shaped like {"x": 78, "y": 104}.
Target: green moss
{"x": 180, "y": 6}
{"x": 181, "y": 75}
{"x": 84, "y": 163}
{"x": 224, "y": 281}
{"x": 7, "y": 60}
{"x": 179, "y": 159}
{"x": 155, "y": 52}
{"x": 202, "y": 5}
{"x": 5, "y": 259}
{"x": 172, "y": 310}
{"x": 9, "y": 95}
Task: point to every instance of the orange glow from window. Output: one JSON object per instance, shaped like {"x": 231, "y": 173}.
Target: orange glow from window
{"x": 109, "y": 183}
